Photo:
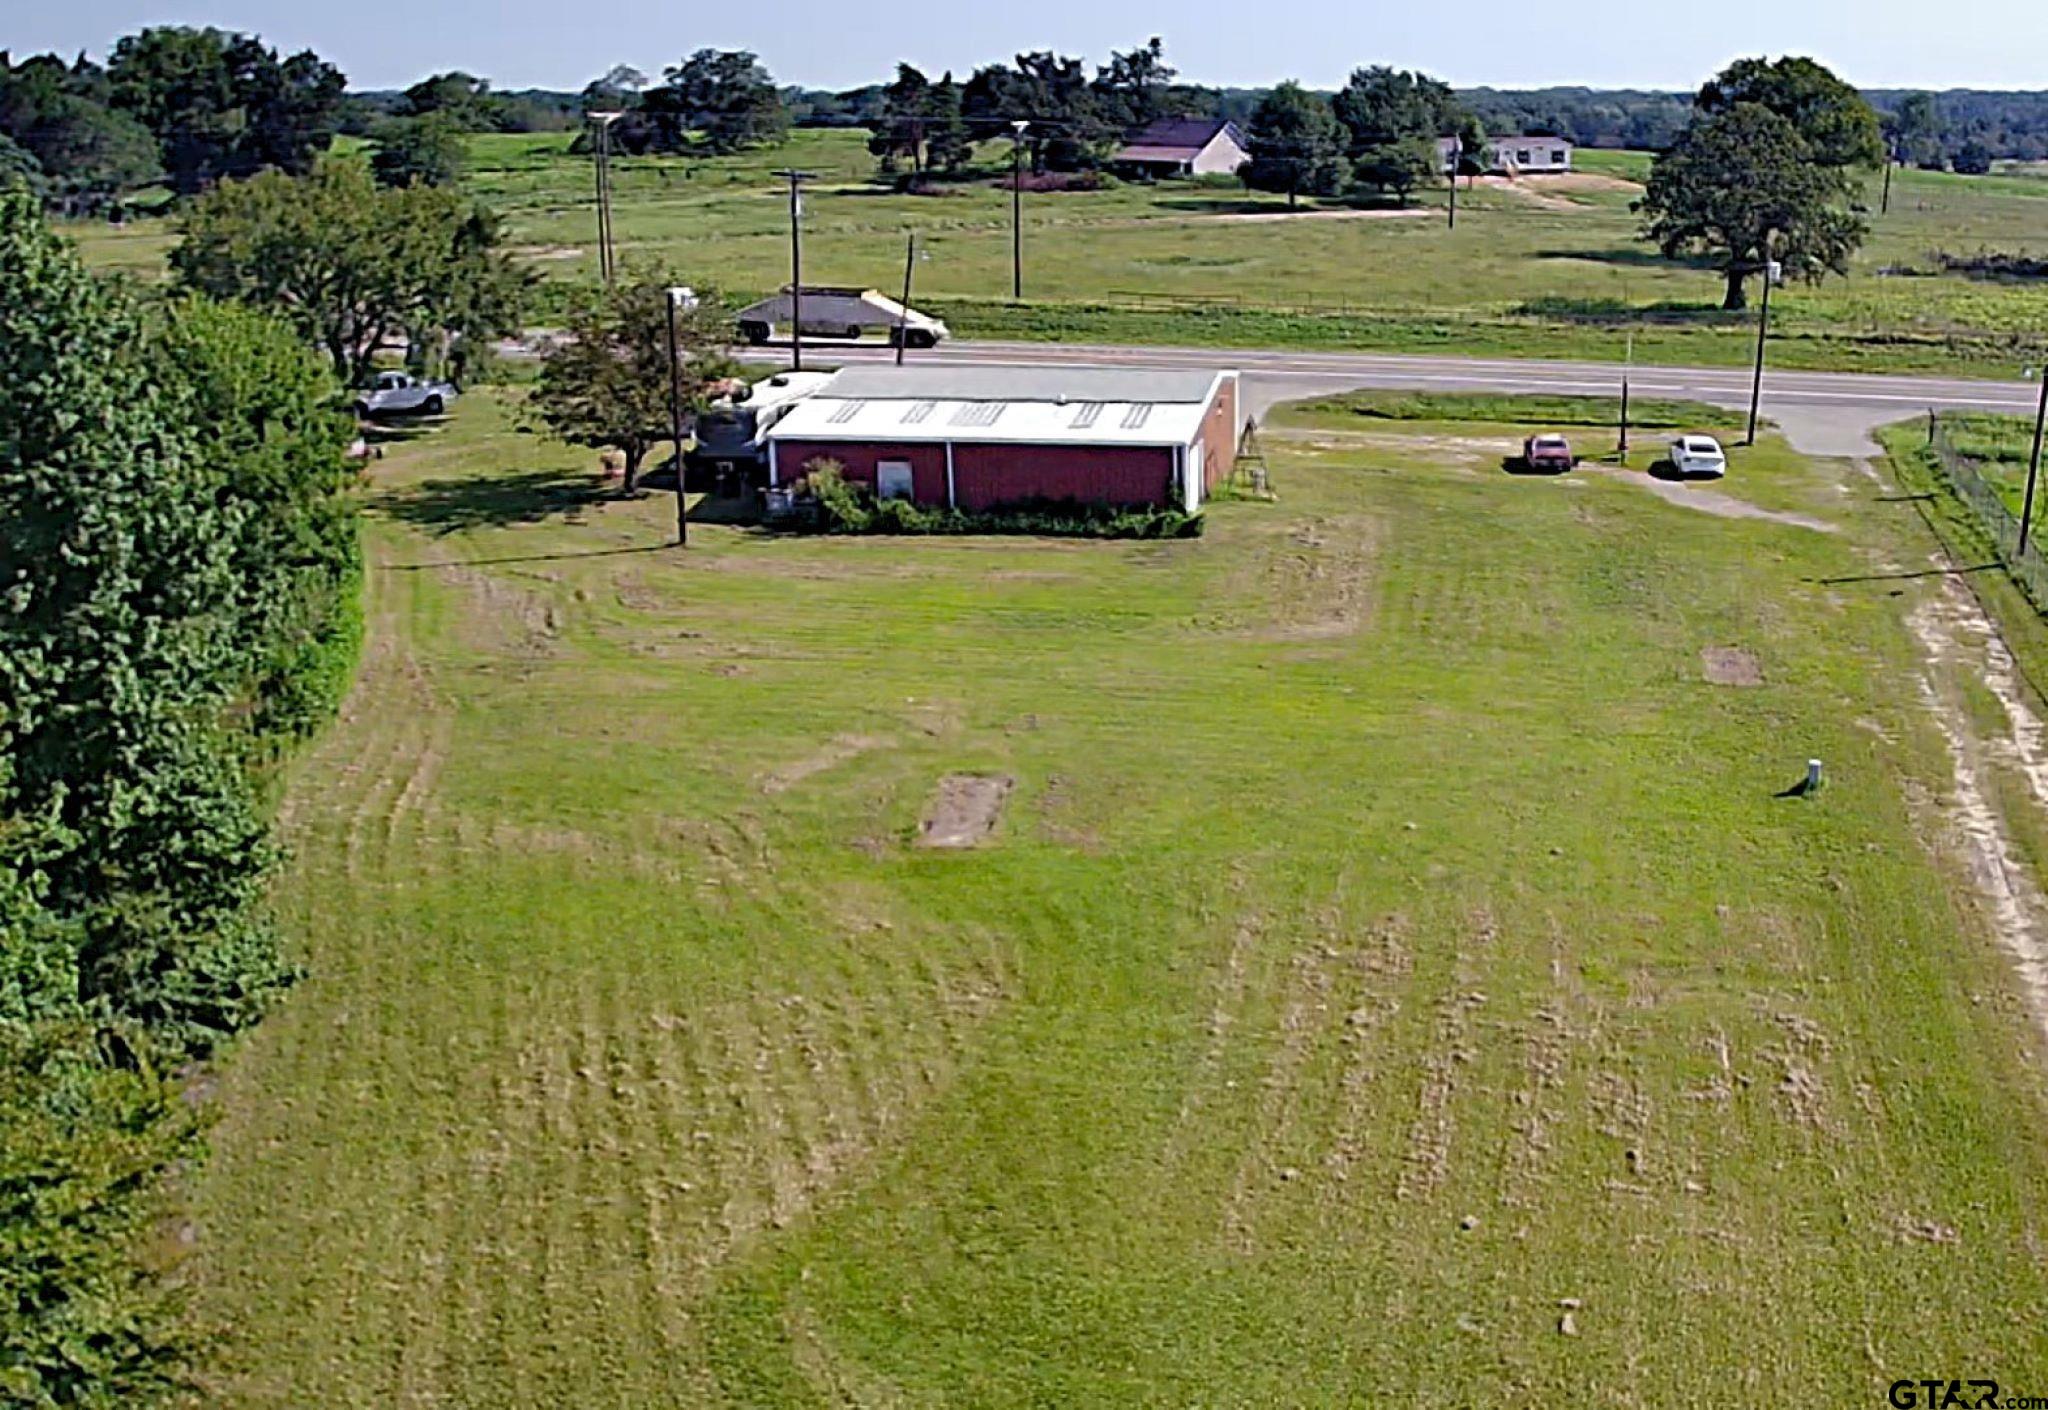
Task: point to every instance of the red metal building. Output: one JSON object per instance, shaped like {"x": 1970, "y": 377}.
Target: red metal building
{"x": 976, "y": 437}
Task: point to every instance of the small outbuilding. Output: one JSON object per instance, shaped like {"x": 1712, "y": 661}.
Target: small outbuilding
{"x": 985, "y": 436}
{"x": 1183, "y": 147}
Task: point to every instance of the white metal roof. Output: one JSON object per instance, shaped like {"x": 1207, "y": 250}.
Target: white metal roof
{"x": 1016, "y": 405}
{"x": 825, "y": 417}
{"x": 1040, "y": 382}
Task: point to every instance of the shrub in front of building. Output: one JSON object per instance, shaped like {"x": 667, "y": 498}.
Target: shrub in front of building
{"x": 844, "y": 507}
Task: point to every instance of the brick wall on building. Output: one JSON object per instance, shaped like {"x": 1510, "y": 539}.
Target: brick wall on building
{"x": 987, "y": 475}
{"x": 1218, "y": 436}
{"x": 927, "y": 463}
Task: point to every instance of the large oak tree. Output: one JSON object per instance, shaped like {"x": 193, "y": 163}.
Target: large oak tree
{"x": 353, "y": 265}
{"x": 1743, "y": 186}
{"x": 1766, "y": 170}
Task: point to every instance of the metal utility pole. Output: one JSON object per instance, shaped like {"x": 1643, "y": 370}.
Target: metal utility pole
{"x": 1017, "y": 127}
{"x": 1770, "y": 269}
{"x": 796, "y": 180}
{"x": 678, "y": 298}
{"x": 2033, "y": 466}
{"x": 1628, "y": 366}
{"x": 903, "y": 314}
{"x": 1457, "y": 160}
{"x": 601, "y": 151}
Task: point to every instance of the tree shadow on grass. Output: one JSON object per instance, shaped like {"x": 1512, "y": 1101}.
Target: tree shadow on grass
{"x": 443, "y": 507}
{"x": 1634, "y": 257}
{"x": 1614, "y": 313}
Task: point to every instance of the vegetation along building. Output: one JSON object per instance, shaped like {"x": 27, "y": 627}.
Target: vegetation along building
{"x": 977, "y": 437}
{"x": 1183, "y": 147}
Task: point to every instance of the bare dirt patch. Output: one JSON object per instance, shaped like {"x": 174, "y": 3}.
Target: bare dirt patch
{"x": 1546, "y": 198}
{"x": 1730, "y": 665}
{"x": 1456, "y": 452}
{"x": 1322, "y": 582}
{"x": 965, "y": 810}
{"x": 1722, "y": 506}
{"x": 1256, "y": 217}
{"x": 829, "y": 755}
{"x": 1958, "y": 639}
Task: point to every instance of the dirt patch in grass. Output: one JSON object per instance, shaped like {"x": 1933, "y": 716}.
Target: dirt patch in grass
{"x": 1688, "y": 495}
{"x": 829, "y": 755}
{"x": 1548, "y": 199}
{"x": 1730, "y": 665}
{"x": 1322, "y": 583}
{"x": 506, "y": 617}
{"x": 1957, "y": 638}
{"x": 1461, "y": 452}
{"x": 1254, "y": 217}
{"x": 965, "y": 810}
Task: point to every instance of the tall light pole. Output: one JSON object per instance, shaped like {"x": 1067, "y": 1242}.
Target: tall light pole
{"x": 679, "y": 297}
{"x": 601, "y": 151}
{"x": 903, "y": 309}
{"x": 2034, "y": 465}
{"x": 1017, "y": 127}
{"x": 1457, "y": 160}
{"x": 1628, "y": 366}
{"x": 1771, "y": 270}
{"x": 796, "y": 180}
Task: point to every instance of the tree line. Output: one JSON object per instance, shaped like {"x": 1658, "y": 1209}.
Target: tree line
{"x": 178, "y": 605}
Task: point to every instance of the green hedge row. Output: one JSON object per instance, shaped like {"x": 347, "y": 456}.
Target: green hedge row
{"x": 848, "y": 508}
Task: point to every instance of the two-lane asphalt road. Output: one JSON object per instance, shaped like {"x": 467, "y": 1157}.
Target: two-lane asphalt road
{"x": 1822, "y": 413}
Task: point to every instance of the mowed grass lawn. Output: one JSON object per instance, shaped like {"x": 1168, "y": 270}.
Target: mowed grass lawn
{"x": 1391, "y": 976}
{"x": 1551, "y": 268}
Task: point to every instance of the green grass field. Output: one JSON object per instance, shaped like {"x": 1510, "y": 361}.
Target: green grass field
{"x": 1391, "y": 976}
{"x": 1552, "y": 269}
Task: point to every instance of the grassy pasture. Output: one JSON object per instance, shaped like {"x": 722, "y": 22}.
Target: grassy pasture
{"x": 1551, "y": 268}
{"x": 1390, "y": 937}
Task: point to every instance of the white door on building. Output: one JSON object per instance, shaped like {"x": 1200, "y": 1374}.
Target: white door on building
{"x": 1195, "y": 479}
{"x": 892, "y": 480}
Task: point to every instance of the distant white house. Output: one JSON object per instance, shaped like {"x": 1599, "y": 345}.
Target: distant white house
{"x": 1183, "y": 147}
{"x": 1513, "y": 156}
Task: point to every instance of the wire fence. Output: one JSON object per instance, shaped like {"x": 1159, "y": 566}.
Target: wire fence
{"x": 1980, "y": 483}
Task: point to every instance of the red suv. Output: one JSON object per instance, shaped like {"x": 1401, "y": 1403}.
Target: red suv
{"x": 1548, "y": 452}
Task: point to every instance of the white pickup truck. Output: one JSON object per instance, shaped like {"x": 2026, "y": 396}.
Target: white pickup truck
{"x": 833, "y": 311}
{"x": 401, "y": 394}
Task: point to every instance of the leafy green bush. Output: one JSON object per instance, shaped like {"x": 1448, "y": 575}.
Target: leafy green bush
{"x": 84, "y": 1144}
{"x": 848, "y": 508}
{"x": 180, "y": 570}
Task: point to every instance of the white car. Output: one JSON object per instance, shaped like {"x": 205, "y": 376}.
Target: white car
{"x": 1698, "y": 455}
{"x": 400, "y": 394}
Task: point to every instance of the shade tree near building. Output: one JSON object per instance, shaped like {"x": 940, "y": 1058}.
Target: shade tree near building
{"x": 605, "y": 383}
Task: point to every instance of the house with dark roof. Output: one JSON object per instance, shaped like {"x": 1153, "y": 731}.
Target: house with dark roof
{"x": 1183, "y": 147}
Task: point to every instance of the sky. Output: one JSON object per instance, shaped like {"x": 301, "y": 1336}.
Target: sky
{"x": 838, "y": 44}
